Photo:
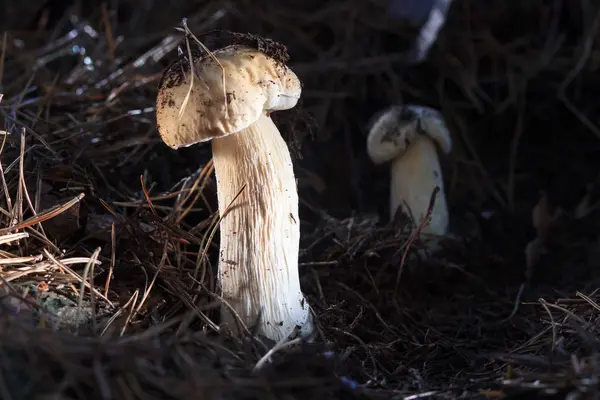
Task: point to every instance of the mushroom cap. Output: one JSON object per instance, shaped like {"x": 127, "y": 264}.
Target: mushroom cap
{"x": 254, "y": 83}
{"x": 397, "y": 127}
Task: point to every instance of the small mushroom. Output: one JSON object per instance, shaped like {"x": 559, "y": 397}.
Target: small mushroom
{"x": 260, "y": 233}
{"x": 409, "y": 137}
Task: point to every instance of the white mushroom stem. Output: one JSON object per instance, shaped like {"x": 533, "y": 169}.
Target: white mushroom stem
{"x": 414, "y": 176}
{"x": 260, "y": 234}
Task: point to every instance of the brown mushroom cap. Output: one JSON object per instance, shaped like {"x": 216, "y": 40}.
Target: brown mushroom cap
{"x": 254, "y": 83}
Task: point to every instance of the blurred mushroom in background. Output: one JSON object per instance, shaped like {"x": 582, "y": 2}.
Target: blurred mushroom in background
{"x": 410, "y": 137}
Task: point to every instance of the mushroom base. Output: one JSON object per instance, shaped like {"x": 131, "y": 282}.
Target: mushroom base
{"x": 414, "y": 176}
{"x": 260, "y": 233}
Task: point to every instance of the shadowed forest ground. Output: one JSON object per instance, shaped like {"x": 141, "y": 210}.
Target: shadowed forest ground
{"x": 517, "y": 83}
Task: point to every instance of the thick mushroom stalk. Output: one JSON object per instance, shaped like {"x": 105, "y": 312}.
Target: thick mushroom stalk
{"x": 256, "y": 187}
{"x": 258, "y": 261}
{"x": 409, "y": 138}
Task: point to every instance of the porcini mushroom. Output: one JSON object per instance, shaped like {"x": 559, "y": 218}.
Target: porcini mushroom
{"x": 409, "y": 136}
{"x": 260, "y": 234}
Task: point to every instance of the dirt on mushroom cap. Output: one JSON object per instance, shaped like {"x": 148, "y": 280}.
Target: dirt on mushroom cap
{"x": 296, "y": 125}
{"x": 174, "y": 72}
{"x": 227, "y": 92}
{"x": 271, "y": 48}
{"x": 395, "y": 128}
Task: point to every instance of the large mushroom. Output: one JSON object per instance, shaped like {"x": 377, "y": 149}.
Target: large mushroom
{"x": 260, "y": 233}
{"x": 409, "y": 137}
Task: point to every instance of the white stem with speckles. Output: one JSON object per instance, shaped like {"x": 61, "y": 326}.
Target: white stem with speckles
{"x": 414, "y": 176}
{"x": 260, "y": 234}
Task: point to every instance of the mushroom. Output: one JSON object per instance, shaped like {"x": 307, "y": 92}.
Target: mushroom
{"x": 260, "y": 233}
{"x": 409, "y": 137}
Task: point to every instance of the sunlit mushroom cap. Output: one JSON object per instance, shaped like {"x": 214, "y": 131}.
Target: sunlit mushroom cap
{"x": 396, "y": 128}
{"x": 254, "y": 83}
